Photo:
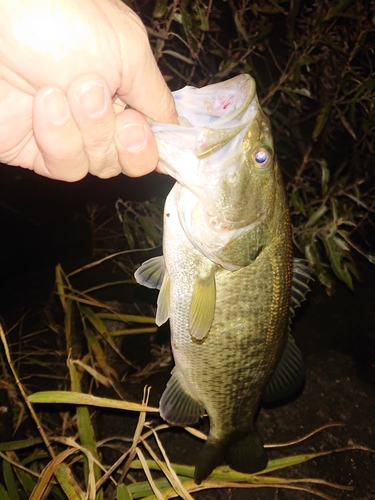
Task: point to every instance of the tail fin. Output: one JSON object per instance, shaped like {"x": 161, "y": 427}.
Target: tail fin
{"x": 246, "y": 455}
{"x": 211, "y": 456}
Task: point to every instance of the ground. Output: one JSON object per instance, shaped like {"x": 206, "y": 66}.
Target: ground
{"x": 42, "y": 223}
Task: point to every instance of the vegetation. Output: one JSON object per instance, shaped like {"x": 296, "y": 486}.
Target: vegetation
{"x": 60, "y": 455}
{"x": 314, "y": 66}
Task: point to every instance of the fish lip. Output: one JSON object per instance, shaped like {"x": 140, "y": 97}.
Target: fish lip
{"x": 217, "y": 104}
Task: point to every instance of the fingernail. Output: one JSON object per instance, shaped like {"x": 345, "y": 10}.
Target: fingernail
{"x": 92, "y": 99}
{"x": 56, "y": 106}
{"x": 132, "y": 137}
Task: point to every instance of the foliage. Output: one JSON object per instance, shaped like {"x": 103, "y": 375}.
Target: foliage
{"x": 62, "y": 457}
{"x": 142, "y": 222}
{"x": 314, "y": 66}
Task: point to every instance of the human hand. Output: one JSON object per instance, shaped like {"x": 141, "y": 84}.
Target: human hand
{"x": 67, "y": 70}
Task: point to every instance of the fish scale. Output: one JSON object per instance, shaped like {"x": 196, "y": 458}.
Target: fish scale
{"x": 226, "y": 272}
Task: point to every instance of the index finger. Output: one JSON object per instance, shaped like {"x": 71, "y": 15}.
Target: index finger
{"x": 143, "y": 86}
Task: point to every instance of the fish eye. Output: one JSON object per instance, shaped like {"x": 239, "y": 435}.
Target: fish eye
{"x": 262, "y": 158}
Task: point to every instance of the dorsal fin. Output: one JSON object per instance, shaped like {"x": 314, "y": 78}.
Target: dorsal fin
{"x": 290, "y": 372}
{"x": 301, "y": 275}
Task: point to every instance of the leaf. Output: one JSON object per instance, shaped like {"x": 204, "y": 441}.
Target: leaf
{"x": 68, "y": 482}
{"x": 348, "y": 127}
{"x": 79, "y": 398}
{"x": 336, "y": 257}
{"x": 10, "y": 481}
{"x": 325, "y": 175}
{"x": 45, "y": 477}
{"x": 316, "y": 215}
{"x": 19, "y": 445}
{"x": 203, "y": 18}
{"x": 341, "y": 243}
{"x": 186, "y": 21}
{"x": 321, "y": 120}
{"x": 100, "y": 357}
{"x": 128, "y": 233}
{"x": 152, "y": 234}
{"x": 312, "y": 255}
{"x": 160, "y": 9}
{"x": 337, "y": 9}
{"x": 3, "y": 493}
{"x": 122, "y": 492}
{"x": 297, "y": 202}
{"x": 98, "y": 324}
{"x": 240, "y": 27}
{"x": 27, "y": 481}
{"x": 175, "y": 54}
{"x": 127, "y": 318}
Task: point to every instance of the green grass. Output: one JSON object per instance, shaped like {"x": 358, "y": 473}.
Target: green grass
{"x": 62, "y": 458}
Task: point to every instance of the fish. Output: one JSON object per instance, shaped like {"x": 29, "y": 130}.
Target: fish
{"x": 227, "y": 278}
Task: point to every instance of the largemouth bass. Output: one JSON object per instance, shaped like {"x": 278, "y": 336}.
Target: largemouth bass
{"x": 227, "y": 280}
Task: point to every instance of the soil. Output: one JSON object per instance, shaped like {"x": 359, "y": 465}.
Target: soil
{"x": 42, "y": 223}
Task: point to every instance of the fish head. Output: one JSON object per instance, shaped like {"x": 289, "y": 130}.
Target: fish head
{"x": 221, "y": 154}
{"x": 238, "y": 179}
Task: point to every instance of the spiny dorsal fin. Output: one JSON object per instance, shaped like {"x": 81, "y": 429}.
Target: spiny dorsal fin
{"x": 202, "y": 308}
{"x": 162, "y": 312}
{"x": 301, "y": 275}
{"x": 288, "y": 376}
{"x": 151, "y": 273}
{"x": 177, "y": 406}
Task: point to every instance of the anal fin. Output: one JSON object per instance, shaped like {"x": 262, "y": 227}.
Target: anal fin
{"x": 177, "y": 406}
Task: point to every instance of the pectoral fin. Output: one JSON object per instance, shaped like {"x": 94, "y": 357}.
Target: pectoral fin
{"x": 202, "y": 308}
{"x": 151, "y": 273}
{"x": 288, "y": 376}
{"x": 177, "y": 406}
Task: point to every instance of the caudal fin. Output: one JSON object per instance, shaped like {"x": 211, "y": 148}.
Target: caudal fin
{"x": 246, "y": 455}
{"x": 211, "y": 456}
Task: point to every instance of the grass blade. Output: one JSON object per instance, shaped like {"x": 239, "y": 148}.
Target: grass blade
{"x": 79, "y": 398}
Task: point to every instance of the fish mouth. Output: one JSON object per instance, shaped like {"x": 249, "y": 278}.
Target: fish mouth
{"x": 210, "y": 119}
